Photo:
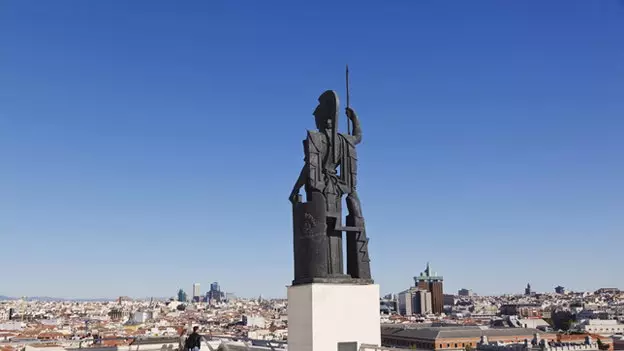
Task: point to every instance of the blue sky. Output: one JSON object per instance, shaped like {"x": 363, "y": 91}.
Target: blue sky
{"x": 147, "y": 145}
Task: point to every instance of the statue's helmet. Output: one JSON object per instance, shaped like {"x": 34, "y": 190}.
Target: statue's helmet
{"x": 327, "y": 110}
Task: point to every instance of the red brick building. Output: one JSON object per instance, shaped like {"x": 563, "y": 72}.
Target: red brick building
{"x": 432, "y": 282}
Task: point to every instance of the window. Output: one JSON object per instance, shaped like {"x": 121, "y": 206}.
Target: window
{"x": 455, "y": 345}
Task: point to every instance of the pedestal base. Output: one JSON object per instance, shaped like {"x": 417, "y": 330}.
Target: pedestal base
{"x": 320, "y": 316}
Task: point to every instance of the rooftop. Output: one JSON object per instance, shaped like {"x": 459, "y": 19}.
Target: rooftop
{"x": 428, "y": 275}
{"x": 433, "y": 333}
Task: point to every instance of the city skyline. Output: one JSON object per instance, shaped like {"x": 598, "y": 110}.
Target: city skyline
{"x": 150, "y": 145}
{"x": 574, "y": 321}
{"x": 447, "y": 291}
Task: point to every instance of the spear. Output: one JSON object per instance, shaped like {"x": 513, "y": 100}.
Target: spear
{"x": 348, "y": 120}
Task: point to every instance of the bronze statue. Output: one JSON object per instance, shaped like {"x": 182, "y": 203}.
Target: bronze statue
{"x": 329, "y": 173}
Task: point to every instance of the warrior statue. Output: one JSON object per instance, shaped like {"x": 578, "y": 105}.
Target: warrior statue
{"x": 329, "y": 173}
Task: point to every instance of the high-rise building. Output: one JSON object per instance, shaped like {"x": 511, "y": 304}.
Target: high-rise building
{"x": 405, "y": 303}
{"x": 432, "y": 282}
{"x": 527, "y": 291}
{"x": 560, "y": 290}
{"x": 422, "y": 302}
{"x": 465, "y": 292}
{"x": 196, "y": 290}
{"x": 215, "y": 293}
{"x": 414, "y": 301}
{"x": 181, "y": 296}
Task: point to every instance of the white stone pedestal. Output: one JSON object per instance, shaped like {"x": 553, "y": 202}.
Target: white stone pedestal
{"x": 322, "y": 315}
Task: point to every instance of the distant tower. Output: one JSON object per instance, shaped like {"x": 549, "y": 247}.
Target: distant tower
{"x": 181, "y": 296}
{"x": 432, "y": 282}
{"x": 465, "y": 292}
{"x": 196, "y": 291}
{"x": 22, "y": 307}
{"x": 527, "y": 291}
{"x": 215, "y": 292}
{"x": 560, "y": 290}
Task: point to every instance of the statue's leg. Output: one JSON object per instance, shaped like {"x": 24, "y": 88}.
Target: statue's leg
{"x": 334, "y": 237}
{"x": 358, "y": 262}
{"x": 353, "y": 204}
{"x": 334, "y": 247}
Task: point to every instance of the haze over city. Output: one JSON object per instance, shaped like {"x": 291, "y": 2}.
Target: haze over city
{"x": 147, "y": 148}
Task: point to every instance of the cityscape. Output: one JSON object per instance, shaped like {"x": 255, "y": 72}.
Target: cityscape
{"x": 214, "y": 175}
{"x": 423, "y": 316}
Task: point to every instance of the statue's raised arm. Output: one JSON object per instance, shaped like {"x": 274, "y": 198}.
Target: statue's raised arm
{"x": 357, "y": 127}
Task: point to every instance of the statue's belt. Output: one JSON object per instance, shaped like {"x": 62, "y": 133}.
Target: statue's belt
{"x": 333, "y": 177}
